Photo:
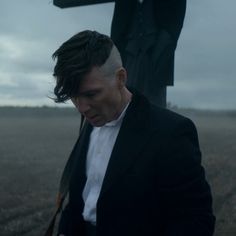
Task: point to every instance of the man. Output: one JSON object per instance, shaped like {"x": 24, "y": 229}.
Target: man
{"x": 146, "y": 34}
{"x": 137, "y": 168}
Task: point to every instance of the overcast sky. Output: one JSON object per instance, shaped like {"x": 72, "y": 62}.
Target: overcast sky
{"x": 31, "y": 30}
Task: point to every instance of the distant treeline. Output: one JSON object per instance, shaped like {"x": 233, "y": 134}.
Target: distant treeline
{"x": 37, "y": 111}
{"x": 70, "y": 111}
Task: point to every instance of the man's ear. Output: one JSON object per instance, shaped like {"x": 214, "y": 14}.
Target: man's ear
{"x": 121, "y": 77}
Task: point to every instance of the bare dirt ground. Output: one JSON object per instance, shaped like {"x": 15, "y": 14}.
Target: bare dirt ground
{"x": 34, "y": 146}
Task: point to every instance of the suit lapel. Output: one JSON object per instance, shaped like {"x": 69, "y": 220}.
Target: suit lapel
{"x": 79, "y": 153}
{"x": 133, "y": 136}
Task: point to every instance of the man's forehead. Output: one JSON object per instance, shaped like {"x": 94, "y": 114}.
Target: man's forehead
{"x": 95, "y": 79}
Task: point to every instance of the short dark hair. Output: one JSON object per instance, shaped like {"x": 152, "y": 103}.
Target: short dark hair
{"x": 75, "y": 58}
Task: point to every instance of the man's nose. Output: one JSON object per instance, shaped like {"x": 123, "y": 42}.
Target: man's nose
{"x": 81, "y": 104}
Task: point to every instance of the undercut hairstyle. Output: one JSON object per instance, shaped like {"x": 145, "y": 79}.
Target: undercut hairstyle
{"x": 75, "y": 58}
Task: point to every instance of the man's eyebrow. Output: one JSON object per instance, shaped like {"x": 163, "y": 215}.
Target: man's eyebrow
{"x": 88, "y": 92}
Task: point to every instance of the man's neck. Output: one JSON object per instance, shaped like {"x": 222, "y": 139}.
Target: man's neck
{"x": 126, "y": 98}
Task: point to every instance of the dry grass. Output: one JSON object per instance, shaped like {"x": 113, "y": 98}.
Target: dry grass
{"x": 34, "y": 145}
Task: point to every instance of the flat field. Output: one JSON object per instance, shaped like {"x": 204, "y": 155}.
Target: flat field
{"x": 34, "y": 146}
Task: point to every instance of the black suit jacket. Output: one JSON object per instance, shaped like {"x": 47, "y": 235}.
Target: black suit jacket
{"x": 154, "y": 183}
{"x": 169, "y": 16}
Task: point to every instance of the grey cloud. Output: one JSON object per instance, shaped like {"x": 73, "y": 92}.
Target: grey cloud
{"x": 205, "y": 58}
{"x": 24, "y": 86}
{"x": 41, "y": 19}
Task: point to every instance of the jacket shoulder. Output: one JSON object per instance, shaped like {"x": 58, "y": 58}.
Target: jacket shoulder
{"x": 167, "y": 120}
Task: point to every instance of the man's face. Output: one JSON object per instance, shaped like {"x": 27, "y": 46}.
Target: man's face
{"x": 99, "y": 98}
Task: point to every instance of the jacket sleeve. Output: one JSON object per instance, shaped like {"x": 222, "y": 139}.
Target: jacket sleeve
{"x": 75, "y": 3}
{"x": 63, "y": 227}
{"x": 170, "y": 16}
{"x": 184, "y": 190}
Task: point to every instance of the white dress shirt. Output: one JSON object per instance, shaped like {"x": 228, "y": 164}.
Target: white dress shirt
{"x": 101, "y": 143}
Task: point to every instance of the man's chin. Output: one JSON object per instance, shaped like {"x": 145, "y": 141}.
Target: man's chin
{"x": 97, "y": 124}
{"x": 96, "y": 121}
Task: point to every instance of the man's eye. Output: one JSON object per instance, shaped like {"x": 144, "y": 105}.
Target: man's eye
{"x": 91, "y": 95}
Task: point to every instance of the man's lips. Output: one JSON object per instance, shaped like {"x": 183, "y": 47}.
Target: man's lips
{"x": 91, "y": 117}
